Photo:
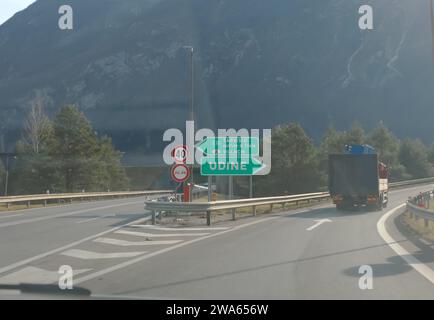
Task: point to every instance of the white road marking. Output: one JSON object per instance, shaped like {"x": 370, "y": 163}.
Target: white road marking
{"x": 88, "y": 220}
{"x": 35, "y": 275}
{"x": 11, "y": 216}
{"x": 318, "y": 223}
{"x": 126, "y": 243}
{"x": 63, "y": 248}
{"x": 96, "y": 218}
{"x": 162, "y": 235}
{"x": 417, "y": 265}
{"x": 149, "y": 226}
{"x": 149, "y": 255}
{"x": 13, "y": 223}
{"x": 90, "y": 255}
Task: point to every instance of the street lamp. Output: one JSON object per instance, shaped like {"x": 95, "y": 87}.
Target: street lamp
{"x": 7, "y": 156}
{"x": 191, "y": 107}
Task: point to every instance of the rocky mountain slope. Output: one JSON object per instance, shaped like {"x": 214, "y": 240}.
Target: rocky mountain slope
{"x": 258, "y": 63}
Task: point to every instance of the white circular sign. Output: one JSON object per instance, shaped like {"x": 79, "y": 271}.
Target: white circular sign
{"x": 180, "y": 172}
{"x": 180, "y": 154}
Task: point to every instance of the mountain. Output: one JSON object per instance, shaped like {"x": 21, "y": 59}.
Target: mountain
{"x": 257, "y": 63}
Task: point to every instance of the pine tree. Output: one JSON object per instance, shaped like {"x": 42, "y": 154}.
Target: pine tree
{"x": 387, "y": 147}
{"x": 294, "y": 165}
{"x": 85, "y": 162}
{"x": 414, "y": 157}
{"x": 356, "y": 135}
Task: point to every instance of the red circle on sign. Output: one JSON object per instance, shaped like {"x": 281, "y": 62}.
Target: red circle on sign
{"x": 180, "y": 172}
{"x": 179, "y": 154}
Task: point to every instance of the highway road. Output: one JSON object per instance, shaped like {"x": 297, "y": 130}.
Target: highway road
{"x": 311, "y": 253}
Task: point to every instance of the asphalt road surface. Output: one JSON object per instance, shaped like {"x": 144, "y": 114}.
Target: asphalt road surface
{"x": 312, "y": 253}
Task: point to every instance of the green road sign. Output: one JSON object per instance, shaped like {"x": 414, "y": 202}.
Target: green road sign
{"x": 230, "y": 168}
{"x": 229, "y": 147}
{"x": 226, "y": 156}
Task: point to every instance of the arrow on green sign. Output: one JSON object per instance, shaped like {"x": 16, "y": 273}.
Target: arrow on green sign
{"x": 230, "y": 148}
{"x": 239, "y": 168}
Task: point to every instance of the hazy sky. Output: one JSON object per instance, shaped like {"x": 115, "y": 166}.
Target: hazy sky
{"x": 9, "y": 7}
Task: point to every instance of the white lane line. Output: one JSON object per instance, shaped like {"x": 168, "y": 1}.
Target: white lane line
{"x": 417, "y": 265}
{"x": 149, "y": 255}
{"x": 126, "y": 243}
{"x": 161, "y": 235}
{"x": 149, "y": 226}
{"x": 96, "y": 218}
{"x": 63, "y": 248}
{"x": 87, "y": 220}
{"x": 12, "y": 216}
{"x": 13, "y": 223}
{"x": 90, "y": 255}
{"x": 35, "y": 276}
{"x": 318, "y": 223}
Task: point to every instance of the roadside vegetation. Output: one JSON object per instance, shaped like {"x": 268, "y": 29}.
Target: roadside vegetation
{"x": 298, "y": 165}
{"x": 64, "y": 154}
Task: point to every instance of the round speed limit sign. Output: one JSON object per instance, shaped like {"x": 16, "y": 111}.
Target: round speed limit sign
{"x": 179, "y": 154}
{"x": 180, "y": 172}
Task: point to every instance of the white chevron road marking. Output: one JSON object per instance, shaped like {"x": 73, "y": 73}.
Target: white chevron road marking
{"x": 162, "y": 235}
{"x": 126, "y": 243}
{"x": 35, "y": 275}
{"x": 149, "y": 226}
{"x": 90, "y": 255}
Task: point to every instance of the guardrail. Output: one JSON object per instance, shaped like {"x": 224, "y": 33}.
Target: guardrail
{"x": 418, "y": 208}
{"x": 398, "y": 184}
{"x": 208, "y": 207}
{"x": 44, "y": 198}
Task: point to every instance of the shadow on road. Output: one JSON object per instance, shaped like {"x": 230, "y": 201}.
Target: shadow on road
{"x": 396, "y": 267}
{"x": 381, "y": 269}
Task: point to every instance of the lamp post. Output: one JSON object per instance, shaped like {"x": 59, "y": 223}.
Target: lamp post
{"x": 191, "y": 106}
{"x": 7, "y": 156}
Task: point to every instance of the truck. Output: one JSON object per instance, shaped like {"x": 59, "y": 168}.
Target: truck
{"x": 358, "y": 179}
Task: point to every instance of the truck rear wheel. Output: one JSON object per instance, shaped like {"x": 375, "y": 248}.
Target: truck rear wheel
{"x": 380, "y": 204}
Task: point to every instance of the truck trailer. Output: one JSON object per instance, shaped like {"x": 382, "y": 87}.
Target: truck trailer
{"x": 358, "y": 179}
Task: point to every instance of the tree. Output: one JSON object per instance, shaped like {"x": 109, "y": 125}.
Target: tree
{"x": 113, "y": 175}
{"x": 84, "y": 161}
{"x": 37, "y": 128}
{"x": 431, "y": 154}
{"x": 414, "y": 157}
{"x": 74, "y": 150}
{"x": 33, "y": 170}
{"x": 332, "y": 142}
{"x": 387, "y": 147}
{"x": 356, "y": 135}
{"x": 294, "y": 162}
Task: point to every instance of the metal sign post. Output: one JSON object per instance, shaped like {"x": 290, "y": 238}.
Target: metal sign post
{"x": 250, "y": 187}
{"x": 209, "y": 188}
{"x": 231, "y": 193}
